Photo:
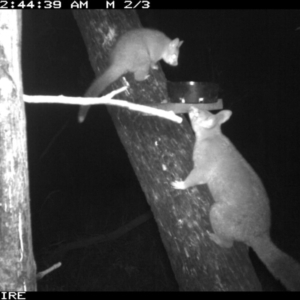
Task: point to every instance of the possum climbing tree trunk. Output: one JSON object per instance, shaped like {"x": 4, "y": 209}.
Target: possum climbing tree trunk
{"x": 160, "y": 152}
{"x": 17, "y": 266}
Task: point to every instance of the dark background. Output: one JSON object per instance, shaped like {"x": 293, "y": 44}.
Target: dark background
{"x": 81, "y": 181}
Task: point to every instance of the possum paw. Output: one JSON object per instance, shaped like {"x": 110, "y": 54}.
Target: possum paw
{"x": 178, "y": 185}
{"x": 222, "y": 242}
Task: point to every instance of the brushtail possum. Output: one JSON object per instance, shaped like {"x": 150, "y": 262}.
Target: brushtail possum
{"x": 136, "y": 51}
{"x": 241, "y": 210}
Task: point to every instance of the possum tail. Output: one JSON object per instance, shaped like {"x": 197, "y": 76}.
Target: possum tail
{"x": 282, "y": 266}
{"x": 99, "y": 85}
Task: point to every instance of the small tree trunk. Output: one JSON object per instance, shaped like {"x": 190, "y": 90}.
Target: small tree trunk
{"x": 17, "y": 266}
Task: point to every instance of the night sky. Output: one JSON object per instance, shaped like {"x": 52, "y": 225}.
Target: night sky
{"x": 81, "y": 181}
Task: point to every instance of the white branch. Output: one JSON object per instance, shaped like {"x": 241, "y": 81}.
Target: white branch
{"x": 107, "y": 99}
{"x": 40, "y": 275}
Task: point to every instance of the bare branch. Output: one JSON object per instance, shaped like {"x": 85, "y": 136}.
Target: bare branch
{"x": 40, "y": 275}
{"x": 107, "y": 99}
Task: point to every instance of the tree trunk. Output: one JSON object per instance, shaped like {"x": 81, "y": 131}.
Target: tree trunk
{"x": 17, "y": 266}
{"x": 160, "y": 152}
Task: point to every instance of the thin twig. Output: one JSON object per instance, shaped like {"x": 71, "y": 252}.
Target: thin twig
{"x": 107, "y": 99}
{"x": 40, "y": 275}
{"x": 53, "y": 139}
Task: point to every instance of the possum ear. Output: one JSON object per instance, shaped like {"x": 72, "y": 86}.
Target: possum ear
{"x": 223, "y": 116}
{"x": 176, "y": 43}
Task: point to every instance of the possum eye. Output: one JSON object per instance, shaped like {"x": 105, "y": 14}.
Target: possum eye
{"x": 201, "y": 116}
{"x": 172, "y": 60}
{"x": 208, "y": 123}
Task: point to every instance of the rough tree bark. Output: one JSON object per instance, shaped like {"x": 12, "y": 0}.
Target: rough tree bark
{"x": 160, "y": 151}
{"x": 17, "y": 266}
